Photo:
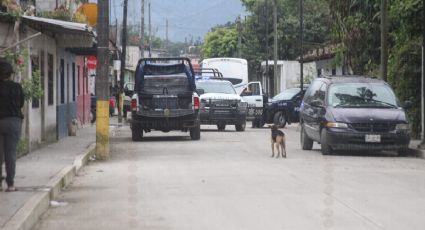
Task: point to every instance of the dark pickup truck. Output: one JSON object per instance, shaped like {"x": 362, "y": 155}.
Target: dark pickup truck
{"x": 165, "y": 98}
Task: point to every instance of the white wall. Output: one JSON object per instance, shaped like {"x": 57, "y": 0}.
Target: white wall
{"x": 6, "y": 34}
{"x": 289, "y": 74}
{"x": 326, "y": 67}
{"x": 47, "y": 45}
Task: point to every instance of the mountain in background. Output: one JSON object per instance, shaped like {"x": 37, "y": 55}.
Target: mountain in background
{"x": 187, "y": 19}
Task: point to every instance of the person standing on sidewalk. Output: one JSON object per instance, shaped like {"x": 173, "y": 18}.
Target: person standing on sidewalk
{"x": 11, "y": 103}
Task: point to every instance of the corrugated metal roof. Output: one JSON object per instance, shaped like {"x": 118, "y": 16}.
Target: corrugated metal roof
{"x": 64, "y": 24}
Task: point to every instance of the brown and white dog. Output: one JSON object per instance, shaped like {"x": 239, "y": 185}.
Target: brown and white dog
{"x": 278, "y": 141}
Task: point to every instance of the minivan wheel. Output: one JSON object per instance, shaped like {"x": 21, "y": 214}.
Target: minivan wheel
{"x": 326, "y": 149}
{"x": 136, "y": 133}
{"x": 195, "y": 132}
{"x": 306, "y": 142}
{"x": 279, "y": 119}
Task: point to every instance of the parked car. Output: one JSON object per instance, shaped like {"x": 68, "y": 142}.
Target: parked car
{"x": 353, "y": 113}
{"x": 128, "y": 93}
{"x": 283, "y": 108}
{"x": 221, "y": 105}
{"x": 165, "y": 98}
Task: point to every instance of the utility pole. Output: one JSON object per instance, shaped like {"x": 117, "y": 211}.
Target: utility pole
{"x": 275, "y": 87}
{"x": 384, "y": 36}
{"x": 423, "y": 76}
{"x": 123, "y": 57}
{"x": 267, "y": 46}
{"x": 302, "y": 44}
{"x": 102, "y": 84}
{"x": 239, "y": 27}
{"x": 142, "y": 31}
{"x": 166, "y": 34}
{"x": 150, "y": 31}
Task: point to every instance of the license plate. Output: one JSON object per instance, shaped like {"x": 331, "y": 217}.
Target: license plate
{"x": 373, "y": 138}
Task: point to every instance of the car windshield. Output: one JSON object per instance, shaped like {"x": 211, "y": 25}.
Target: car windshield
{"x": 216, "y": 87}
{"x": 362, "y": 95}
{"x": 286, "y": 94}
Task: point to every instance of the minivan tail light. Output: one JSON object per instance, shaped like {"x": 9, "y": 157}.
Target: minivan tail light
{"x": 134, "y": 104}
{"x": 196, "y": 103}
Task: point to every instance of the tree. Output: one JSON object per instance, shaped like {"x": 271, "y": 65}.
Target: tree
{"x": 254, "y": 37}
{"x": 404, "y": 73}
{"x": 220, "y": 42}
{"x": 356, "y": 24}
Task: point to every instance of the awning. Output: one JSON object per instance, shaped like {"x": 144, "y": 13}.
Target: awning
{"x": 67, "y": 34}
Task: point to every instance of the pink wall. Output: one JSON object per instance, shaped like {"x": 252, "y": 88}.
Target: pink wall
{"x": 83, "y": 96}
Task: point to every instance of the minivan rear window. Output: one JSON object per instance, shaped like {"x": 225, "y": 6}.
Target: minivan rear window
{"x": 374, "y": 95}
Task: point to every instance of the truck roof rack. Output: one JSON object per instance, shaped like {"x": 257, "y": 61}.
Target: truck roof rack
{"x": 182, "y": 60}
{"x": 216, "y": 74}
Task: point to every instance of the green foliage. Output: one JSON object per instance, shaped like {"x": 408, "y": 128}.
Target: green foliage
{"x": 405, "y": 76}
{"x": 64, "y": 14}
{"x": 32, "y": 87}
{"x": 254, "y": 34}
{"x": 404, "y": 71}
{"x": 356, "y": 25}
{"x": 18, "y": 59}
{"x": 22, "y": 147}
{"x": 220, "y": 42}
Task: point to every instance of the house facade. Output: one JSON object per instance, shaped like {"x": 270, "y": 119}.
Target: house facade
{"x": 49, "y": 45}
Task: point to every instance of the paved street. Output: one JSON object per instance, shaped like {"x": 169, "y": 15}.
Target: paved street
{"x": 228, "y": 181}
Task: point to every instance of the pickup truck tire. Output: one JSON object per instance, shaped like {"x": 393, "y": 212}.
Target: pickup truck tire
{"x": 221, "y": 127}
{"x": 195, "y": 132}
{"x": 279, "y": 119}
{"x": 326, "y": 149}
{"x": 240, "y": 127}
{"x": 306, "y": 142}
{"x": 136, "y": 133}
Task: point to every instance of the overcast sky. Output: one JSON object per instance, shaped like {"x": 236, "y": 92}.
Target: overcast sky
{"x": 185, "y": 17}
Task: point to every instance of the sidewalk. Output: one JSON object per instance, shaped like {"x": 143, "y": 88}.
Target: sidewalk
{"x": 40, "y": 175}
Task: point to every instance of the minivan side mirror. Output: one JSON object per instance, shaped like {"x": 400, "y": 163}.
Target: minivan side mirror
{"x": 407, "y": 104}
{"x": 316, "y": 103}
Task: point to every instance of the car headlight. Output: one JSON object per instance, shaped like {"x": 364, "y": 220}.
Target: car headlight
{"x": 336, "y": 125}
{"x": 402, "y": 127}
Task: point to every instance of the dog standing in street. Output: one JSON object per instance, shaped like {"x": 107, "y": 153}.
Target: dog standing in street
{"x": 278, "y": 141}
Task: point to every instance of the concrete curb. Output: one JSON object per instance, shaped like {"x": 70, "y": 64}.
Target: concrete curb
{"x": 28, "y": 215}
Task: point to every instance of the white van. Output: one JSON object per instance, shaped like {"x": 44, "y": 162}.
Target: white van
{"x": 234, "y": 70}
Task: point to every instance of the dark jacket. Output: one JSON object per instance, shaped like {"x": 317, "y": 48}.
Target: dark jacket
{"x": 11, "y": 99}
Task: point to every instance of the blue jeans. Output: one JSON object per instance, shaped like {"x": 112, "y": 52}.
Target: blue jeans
{"x": 10, "y": 133}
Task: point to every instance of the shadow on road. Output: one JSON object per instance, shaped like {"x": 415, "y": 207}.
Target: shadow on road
{"x": 368, "y": 154}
